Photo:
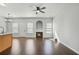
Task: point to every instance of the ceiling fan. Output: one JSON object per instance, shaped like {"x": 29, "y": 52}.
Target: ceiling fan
{"x": 39, "y": 9}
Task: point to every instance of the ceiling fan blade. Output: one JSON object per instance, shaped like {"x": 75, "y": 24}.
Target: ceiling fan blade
{"x": 42, "y": 11}
{"x": 43, "y": 8}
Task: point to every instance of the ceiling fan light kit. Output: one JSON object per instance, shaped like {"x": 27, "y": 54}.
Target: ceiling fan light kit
{"x": 39, "y": 9}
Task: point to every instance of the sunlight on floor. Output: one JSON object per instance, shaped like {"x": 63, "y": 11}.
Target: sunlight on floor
{"x": 15, "y": 47}
{"x": 30, "y": 46}
{"x": 47, "y": 47}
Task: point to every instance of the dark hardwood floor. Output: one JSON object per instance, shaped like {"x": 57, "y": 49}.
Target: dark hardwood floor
{"x": 24, "y": 46}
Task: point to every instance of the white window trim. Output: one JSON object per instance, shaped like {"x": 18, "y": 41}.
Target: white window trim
{"x": 15, "y": 28}
{"x": 49, "y": 28}
{"x": 30, "y": 27}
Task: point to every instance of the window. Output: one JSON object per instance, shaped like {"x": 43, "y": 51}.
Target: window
{"x": 30, "y": 27}
{"x": 14, "y": 27}
{"x": 49, "y": 28}
{"x": 1, "y": 30}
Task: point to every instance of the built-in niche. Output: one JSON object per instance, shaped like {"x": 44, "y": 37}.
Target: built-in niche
{"x": 39, "y": 25}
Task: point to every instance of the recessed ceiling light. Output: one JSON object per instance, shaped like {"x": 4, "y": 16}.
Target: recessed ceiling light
{"x": 3, "y": 4}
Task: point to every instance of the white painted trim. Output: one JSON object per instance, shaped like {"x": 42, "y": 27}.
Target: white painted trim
{"x": 28, "y": 17}
{"x": 56, "y": 35}
{"x": 70, "y": 47}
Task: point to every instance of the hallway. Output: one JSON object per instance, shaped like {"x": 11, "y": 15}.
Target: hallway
{"x": 24, "y": 46}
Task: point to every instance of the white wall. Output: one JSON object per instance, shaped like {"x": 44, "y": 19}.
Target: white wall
{"x": 67, "y": 26}
{"x": 22, "y": 21}
{"x": 3, "y": 23}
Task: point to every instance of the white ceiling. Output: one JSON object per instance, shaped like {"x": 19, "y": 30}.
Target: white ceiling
{"x": 25, "y": 9}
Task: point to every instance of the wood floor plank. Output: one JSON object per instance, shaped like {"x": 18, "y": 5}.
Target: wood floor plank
{"x": 24, "y": 46}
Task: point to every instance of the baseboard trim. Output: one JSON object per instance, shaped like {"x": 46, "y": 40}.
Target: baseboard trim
{"x": 70, "y": 48}
{"x": 57, "y": 37}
